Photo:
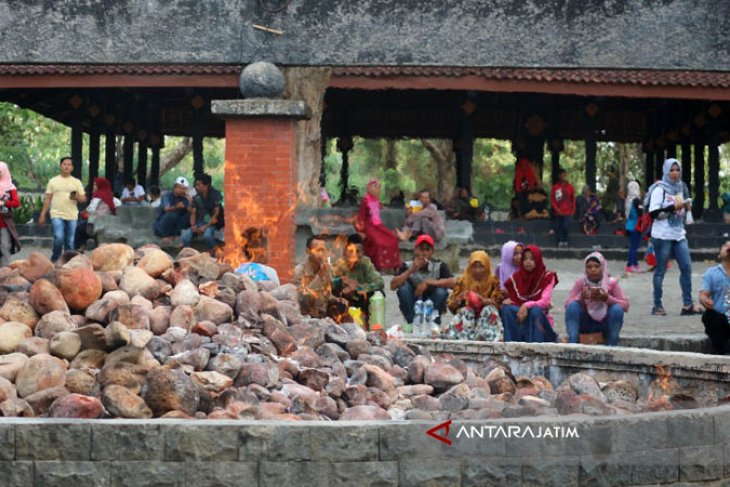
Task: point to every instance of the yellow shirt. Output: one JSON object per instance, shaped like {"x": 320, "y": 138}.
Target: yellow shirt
{"x": 62, "y": 206}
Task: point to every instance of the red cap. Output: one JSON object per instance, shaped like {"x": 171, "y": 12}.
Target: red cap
{"x": 424, "y": 239}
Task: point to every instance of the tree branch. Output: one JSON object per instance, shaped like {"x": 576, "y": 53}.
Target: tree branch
{"x": 177, "y": 154}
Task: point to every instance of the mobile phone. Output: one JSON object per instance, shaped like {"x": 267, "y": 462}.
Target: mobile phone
{"x": 73, "y": 194}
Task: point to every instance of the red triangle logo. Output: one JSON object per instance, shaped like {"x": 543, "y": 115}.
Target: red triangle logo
{"x": 445, "y": 426}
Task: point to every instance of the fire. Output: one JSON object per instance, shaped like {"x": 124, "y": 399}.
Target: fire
{"x": 660, "y": 389}
{"x": 664, "y": 378}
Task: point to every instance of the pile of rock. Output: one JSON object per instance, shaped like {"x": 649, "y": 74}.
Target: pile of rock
{"x": 138, "y": 334}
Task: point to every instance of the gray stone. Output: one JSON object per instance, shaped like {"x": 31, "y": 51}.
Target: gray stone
{"x": 276, "y": 474}
{"x": 691, "y": 429}
{"x": 261, "y": 80}
{"x": 148, "y": 474}
{"x": 76, "y": 474}
{"x": 480, "y": 472}
{"x": 356, "y": 474}
{"x": 402, "y": 441}
{"x": 345, "y": 443}
{"x": 206, "y": 442}
{"x": 701, "y": 463}
{"x": 641, "y": 433}
{"x": 53, "y": 441}
{"x": 296, "y": 110}
{"x": 128, "y": 440}
{"x": 435, "y": 472}
{"x": 7, "y": 442}
{"x": 16, "y": 474}
{"x": 562, "y": 471}
{"x": 214, "y": 474}
{"x": 280, "y": 442}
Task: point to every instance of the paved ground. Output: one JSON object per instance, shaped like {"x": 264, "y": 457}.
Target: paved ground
{"x": 638, "y": 287}
{"x": 638, "y": 321}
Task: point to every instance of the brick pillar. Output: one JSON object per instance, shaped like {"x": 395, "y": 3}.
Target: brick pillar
{"x": 260, "y": 186}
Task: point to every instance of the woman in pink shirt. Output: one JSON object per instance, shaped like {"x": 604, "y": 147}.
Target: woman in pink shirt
{"x": 524, "y": 313}
{"x": 596, "y": 303}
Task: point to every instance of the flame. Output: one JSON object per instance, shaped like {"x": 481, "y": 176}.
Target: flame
{"x": 662, "y": 386}
{"x": 664, "y": 378}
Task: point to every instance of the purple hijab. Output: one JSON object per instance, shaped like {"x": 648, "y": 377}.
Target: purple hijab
{"x": 506, "y": 267}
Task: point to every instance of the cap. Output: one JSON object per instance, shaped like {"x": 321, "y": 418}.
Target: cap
{"x": 424, "y": 239}
{"x": 182, "y": 181}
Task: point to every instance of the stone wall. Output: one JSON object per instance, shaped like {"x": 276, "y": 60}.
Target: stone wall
{"x": 652, "y": 34}
{"x": 692, "y": 447}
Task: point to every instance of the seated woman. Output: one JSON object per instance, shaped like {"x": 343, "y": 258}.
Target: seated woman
{"x": 591, "y": 214}
{"x": 426, "y": 221}
{"x": 355, "y": 278}
{"x": 464, "y": 206}
{"x": 509, "y": 263}
{"x": 525, "y": 312}
{"x": 475, "y": 302}
{"x": 102, "y": 203}
{"x": 596, "y": 304}
{"x": 256, "y": 252}
{"x": 380, "y": 243}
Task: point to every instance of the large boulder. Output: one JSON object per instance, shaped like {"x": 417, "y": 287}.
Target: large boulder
{"x": 209, "y": 309}
{"x": 65, "y": 344}
{"x": 112, "y": 257}
{"x": 185, "y": 292}
{"x": 11, "y": 364}
{"x": 40, "y": 372}
{"x": 80, "y": 287}
{"x": 11, "y": 334}
{"x": 36, "y": 266}
{"x": 46, "y": 297}
{"x": 155, "y": 262}
{"x": 15, "y": 309}
{"x": 136, "y": 281}
{"x": 442, "y": 376}
{"x": 203, "y": 264}
{"x": 123, "y": 403}
{"x": 76, "y": 406}
{"x": 54, "y": 322}
{"x": 133, "y": 316}
{"x": 168, "y": 390}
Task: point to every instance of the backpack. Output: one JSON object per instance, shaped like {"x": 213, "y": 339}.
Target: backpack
{"x": 645, "y": 220}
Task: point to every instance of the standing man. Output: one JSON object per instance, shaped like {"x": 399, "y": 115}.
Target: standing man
{"x": 714, "y": 297}
{"x": 423, "y": 278}
{"x": 206, "y": 214}
{"x": 63, "y": 195}
{"x": 562, "y": 198}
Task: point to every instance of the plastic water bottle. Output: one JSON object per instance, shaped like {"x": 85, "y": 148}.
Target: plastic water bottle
{"x": 427, "y": 318}
{"x": 418, "y": 318}
{"x": 377, "y": 311}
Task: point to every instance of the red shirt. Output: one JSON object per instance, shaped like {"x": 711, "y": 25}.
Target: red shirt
{"x": 562, "y": 198}
{"x": 12, "y": 202}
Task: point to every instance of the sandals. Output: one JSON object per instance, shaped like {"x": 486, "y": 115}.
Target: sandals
{"x": 690, "y": 310}
{"x": 658, "y": 311}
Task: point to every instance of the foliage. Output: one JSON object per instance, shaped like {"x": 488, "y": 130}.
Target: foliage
{"x": 29, "y": 206}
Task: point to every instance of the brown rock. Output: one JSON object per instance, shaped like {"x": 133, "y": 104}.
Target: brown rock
{"x": 185, "y": 292}
{"x": 40, "y": 372}
{"x": 92, "y": 336}
{"x": 225, "y": 363}
{"x": 160, "y": 319}
{"x": 365, "y": 413}
{"x": 123, "y": 403}
{"x": 168, "y": 390}
{"x": 11, "y": 364}
{"x": 414, "y": 390}
{"x": 34, "y": 346}
{"x": 379, "y": 378}
{"x": 108, "y": 281}
{"x": 65, "y": 344}
{"x": 197, "y": 358}
{"x": 15, "y": 284}
{"x": 442, "y": 376}
{"x": 205, "y": 328}
{"x": 54, "y": 322}
{"x": 45, "y": 297}
{"x": 417, "y": 369}
{"x": 16, "y": 310}
{"x": 209, "y": 309}
{"x": 79, "y": 261}
{"x": 132, "y": 355}
{"x": 17, "y": 408}
{"x": 81, "y": 382}
{"x": 183, "y": 317}
{"x": 143, "y": 302}
{"x": 112, "y": 257}
{"x": 211, "y": 381}
{"x": 307, "y": 335}
{"x": 76, "y": 406}
{"x": 203, "y": 264}
{"x": 155, "y": 262}
{"x": 133, "y": 316}
{"x": 99, "y": 310}
{"x": 279, "y": 335}
{"x": 582, "y": 383}
{"x": 131, "y": 376}
{"x": 89, "y": 359}
{"x": 567, "y": 402}
{"x": 7, "y": 390}
{"x": 119, "y": 296}
{"x": 140, "y": 338}
{"x": 11, "y": 334}
{"x": 619, "y": 390}
{"x": 137, "y": 281}
{"x": 36, "y": 266}
{"x": 41, "y": 401}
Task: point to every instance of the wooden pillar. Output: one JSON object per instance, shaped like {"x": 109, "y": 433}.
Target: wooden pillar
{"x": 94, "y": 142}
{"x": 77, "y": 144}
{"x": 687, "y": 164}
{"x": 556, "y": 146}
{"x": 698, "y": 202}
{"x": 671, "y": 151}
{"x": 591, "y": 147}
{"x": 128, "y": 157}
{"x": 713, "y": 173}
{"x": 142, "y": 163}
{"x": 110, "y": 157}
{"x": 344, "y": 145}
{"x": 156, "y": 145}
{"x": 648, "y": 168}
{"x": 658, "y": 163}
{"x": 197, "y": 132}
{"x": 465, "y": 152}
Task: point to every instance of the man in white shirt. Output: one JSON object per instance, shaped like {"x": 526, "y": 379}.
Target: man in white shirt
{"x": 133, "y": 193}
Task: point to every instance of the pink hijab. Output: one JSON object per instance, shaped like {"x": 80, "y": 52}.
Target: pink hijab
{"x": 597, "y": 309}
{"x": 6, "y": 182}
{"x": 373, "y": 204}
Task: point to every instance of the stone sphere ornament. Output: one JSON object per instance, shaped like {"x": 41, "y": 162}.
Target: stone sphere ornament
{"x": 261, "y": 80}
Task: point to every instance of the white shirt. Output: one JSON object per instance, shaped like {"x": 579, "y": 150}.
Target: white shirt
{"x": 671, "y": 228}
{"x": 138, "y": 191}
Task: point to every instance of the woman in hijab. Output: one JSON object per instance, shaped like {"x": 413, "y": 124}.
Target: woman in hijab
{"x": 596, "y": 304}
{"x": 510, "y": 261}
{"x": 669, "y": 204}
{"x": 525, "y": 312}
{"x": 9, "y": 239}
{"x": 102, "y": 203}
{"x": 475, "y": 302}
{"x": 633, "y": 210}
{"x": 379, "y": 243}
